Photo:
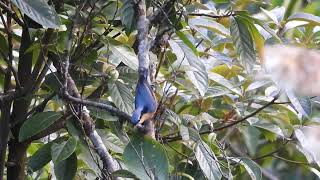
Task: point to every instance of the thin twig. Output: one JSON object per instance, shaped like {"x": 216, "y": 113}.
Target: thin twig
{"x": 213, "y": 16}
{"x": 12, "y": 13}
{"x": 291, "y": 161}
{"x": 175, "y": 138}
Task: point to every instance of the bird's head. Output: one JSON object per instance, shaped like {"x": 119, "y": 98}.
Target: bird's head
{"x": 135, "y": 117}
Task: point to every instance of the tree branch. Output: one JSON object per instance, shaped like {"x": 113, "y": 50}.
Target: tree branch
{"x": 143, "y": 29}
{"x": 157, "y": 16}
{"x": 178, "y": 137}
{"x": 11, "y": 13}
{"x": 143, "y": 56}
{"x": 109, "y": 164}
{"x": 106, "y": 107}
{"x": 213, "y": 16}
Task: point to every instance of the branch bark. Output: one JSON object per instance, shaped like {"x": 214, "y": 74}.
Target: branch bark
{"x": 143, "y": 29}
{"x": 109, "y": 164}
{"x": 143, "y": 56}
{"x": 71, "y": 92}
{"x": 106, "y": 107}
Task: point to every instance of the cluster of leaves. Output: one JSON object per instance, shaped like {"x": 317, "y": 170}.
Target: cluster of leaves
{"x": 216, "y": 119}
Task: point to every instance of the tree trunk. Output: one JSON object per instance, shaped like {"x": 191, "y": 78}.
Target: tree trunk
{"x": 17, "y": 150}
{"x": 4, "y": 132}
{"x": 16, "y": 160}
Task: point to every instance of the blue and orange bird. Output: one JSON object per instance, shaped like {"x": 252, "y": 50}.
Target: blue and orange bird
{"x": 145, "y": 101}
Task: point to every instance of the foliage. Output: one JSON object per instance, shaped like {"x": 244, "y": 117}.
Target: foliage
{"x": 218, "y": 117}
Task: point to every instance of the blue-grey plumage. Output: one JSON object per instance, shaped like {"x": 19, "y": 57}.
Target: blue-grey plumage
{"x": 145, "y": 101}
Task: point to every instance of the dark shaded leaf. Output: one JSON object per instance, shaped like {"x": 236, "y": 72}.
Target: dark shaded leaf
{"x": 243, "y": 42}
{"x": 39, "y": 11}
{"x": 66, "y": 170}
{"x": 146, "y": 158}
{"x": 62, "y": 151}
{"x": 37, "y": 123}
{"x": 124, "y": 173}
{"x": 41, "y": 157}
{"x": 251, "y": 138}
{"x": 128, "y": 17}
{"x": 111, "y": 141}
{"x": 102, "y": 114}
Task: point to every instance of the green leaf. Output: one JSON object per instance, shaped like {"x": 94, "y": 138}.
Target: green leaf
{"x": 62, "y": 151}
{"x": 257, "y": 84}
{"x": 276, "y": 14}
{"x": 51, "y": 83}
{"x": 309, "y": 142}
{"x": 207, "y": 161}
{"x": 209, "y": 24}
{"x": 128, "y": 17}
{"x": 243, "y": 42}
{"x": 102, "y": 114}
{"x": 124, "y": 173}
{"x": 301, "y": 104}
{"x": 121, "y": 96}
{"x": 252, "y": 168}
{"x": 66, "y": 170}
{"x": 257, "y": 37}
{"x": 305, "y": 17}
{"x": 37, "y": 123}
{"x": 172, "y": 116}
{"x": 42, "y": 156}
{"x": 184, "y": 132}
{"x": 85, "y": 155}
{"x": 4, "y": 44}
{"x": 127, "y": 74}
{"x": 118, "y": 52}
{"x": 251, "y": 138}
{"x": 186, "y": 41}
{"x": 269, "y": 127}
{"x": 224, "y": 82}
{"x": 217, "y": 91}
{"x": 110, "y": 10}
{"x": 185, "y": 57}
{"x": 265, "y": 26}
{"x": 111, "y": 141}
{"x": 39, "y": 11}
{"x": 146, "y": 158}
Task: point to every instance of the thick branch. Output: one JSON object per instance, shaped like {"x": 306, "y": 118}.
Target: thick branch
{"x": 109, "y": 164}
{"x": 106, "y": 107}
{"x": 70, "y": 91}
{"x": 143, "y": 29}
